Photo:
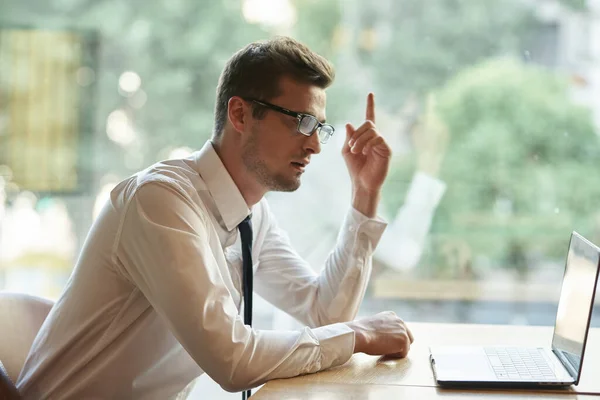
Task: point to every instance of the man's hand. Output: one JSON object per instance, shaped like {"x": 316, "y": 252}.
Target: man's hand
{"x": 367, "y": 157}
{"x": 381, "y": 334}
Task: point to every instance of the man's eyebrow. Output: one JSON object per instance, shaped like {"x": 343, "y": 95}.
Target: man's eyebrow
{"x": 323, "y": 121}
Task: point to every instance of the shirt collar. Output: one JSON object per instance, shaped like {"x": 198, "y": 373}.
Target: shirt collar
{"x": 228, "y": 198}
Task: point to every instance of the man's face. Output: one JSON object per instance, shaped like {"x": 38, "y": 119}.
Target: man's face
{"x": 275, "y": 152}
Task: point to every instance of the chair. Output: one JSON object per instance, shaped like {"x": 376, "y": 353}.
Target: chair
{"x": 21, "y": 316}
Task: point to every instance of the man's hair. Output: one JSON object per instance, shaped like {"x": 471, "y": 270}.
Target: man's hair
{"x": 256, "y": 70}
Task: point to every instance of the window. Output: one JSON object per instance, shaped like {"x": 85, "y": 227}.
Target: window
{"x": 491, "y": 108}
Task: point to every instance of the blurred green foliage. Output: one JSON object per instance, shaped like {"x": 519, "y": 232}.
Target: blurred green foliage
{"x": 520, "y": 163}
{"x": 426, "y": 43}
{"x": 520, "y": 166}
{"x": 178, "y": 48}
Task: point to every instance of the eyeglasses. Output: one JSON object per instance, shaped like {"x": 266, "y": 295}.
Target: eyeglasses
{"x": 307, "y": 124}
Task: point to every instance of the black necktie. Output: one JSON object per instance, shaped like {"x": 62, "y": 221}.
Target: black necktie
{"x": 245, "y": 228}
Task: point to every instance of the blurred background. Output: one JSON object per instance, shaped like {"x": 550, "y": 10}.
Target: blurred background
{"x": 494, "y": 103}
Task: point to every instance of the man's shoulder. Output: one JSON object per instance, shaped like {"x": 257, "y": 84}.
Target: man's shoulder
{"x": 174, "y": 175}
{"x": 168, "y": 170}
{"x": 178, "y": 174}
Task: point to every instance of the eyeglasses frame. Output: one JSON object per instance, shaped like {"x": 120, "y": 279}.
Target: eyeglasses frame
{"x": 299, "y": 116}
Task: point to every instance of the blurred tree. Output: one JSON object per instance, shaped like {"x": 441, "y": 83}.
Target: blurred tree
{"x": 521, "y": 164}
{"x": 495, "y": 199}
{"x": 416, "y": 45}
{"x": 178, "y": 49}
{"x": 577, "y": 5}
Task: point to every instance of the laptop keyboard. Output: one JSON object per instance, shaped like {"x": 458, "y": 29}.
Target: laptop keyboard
{"x": 519, "y": 363}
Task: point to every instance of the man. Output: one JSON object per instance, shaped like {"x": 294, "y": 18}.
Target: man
{"x": 156, "y": 295}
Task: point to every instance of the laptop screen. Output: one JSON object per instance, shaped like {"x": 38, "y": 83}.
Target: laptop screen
{"x": 576, "y": 301}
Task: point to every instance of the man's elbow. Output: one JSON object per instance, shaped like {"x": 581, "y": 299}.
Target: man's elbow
{"x": 235, "y": 385}
{"x": 236, "y": 380}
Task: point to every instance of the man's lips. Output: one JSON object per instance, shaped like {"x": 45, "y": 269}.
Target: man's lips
{"x": 300, "y": 165}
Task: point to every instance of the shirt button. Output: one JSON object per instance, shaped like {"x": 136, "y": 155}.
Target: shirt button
{"x": 352, "y": 229}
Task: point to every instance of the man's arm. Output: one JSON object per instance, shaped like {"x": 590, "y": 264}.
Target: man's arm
{"x": 164, "y": 249}
{"x": 334, "y": 295}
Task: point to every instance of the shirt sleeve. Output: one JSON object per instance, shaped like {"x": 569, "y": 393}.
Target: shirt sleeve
{"x": 335, "y": 294}
{"x": 402, "y": 244}
{"x": 164, "y": 249}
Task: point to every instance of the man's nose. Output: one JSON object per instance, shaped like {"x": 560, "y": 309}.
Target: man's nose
{"x": 312, "y": 143}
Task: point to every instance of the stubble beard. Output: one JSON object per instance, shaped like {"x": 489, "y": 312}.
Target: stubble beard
{"x": 255, "y": 165}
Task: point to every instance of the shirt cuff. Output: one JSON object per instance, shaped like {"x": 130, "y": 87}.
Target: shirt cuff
{"x": 336, "y": 342}
{"x": 357, "y": 224}
{"x": 425, "y": 190}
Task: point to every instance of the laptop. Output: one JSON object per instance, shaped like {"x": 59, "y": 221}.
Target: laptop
{"x": 558, "y": 365}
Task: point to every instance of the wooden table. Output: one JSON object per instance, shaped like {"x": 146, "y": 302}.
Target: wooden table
{"x": 369, "y": 377}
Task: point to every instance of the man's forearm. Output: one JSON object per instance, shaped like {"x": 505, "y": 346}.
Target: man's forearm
{"x": 366, "y": 202}
{"x": 343, "y": 282}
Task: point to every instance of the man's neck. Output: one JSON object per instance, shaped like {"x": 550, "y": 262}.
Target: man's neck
{"x": 230, "y": 156}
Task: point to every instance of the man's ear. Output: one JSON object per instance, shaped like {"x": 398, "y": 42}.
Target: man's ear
{"x": 239, "y": 113}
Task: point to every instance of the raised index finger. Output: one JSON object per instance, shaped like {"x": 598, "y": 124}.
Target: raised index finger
{"x": 371, "y": 107}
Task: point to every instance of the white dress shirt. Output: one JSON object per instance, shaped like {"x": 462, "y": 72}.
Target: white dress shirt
{"x": 155, "y": 298}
